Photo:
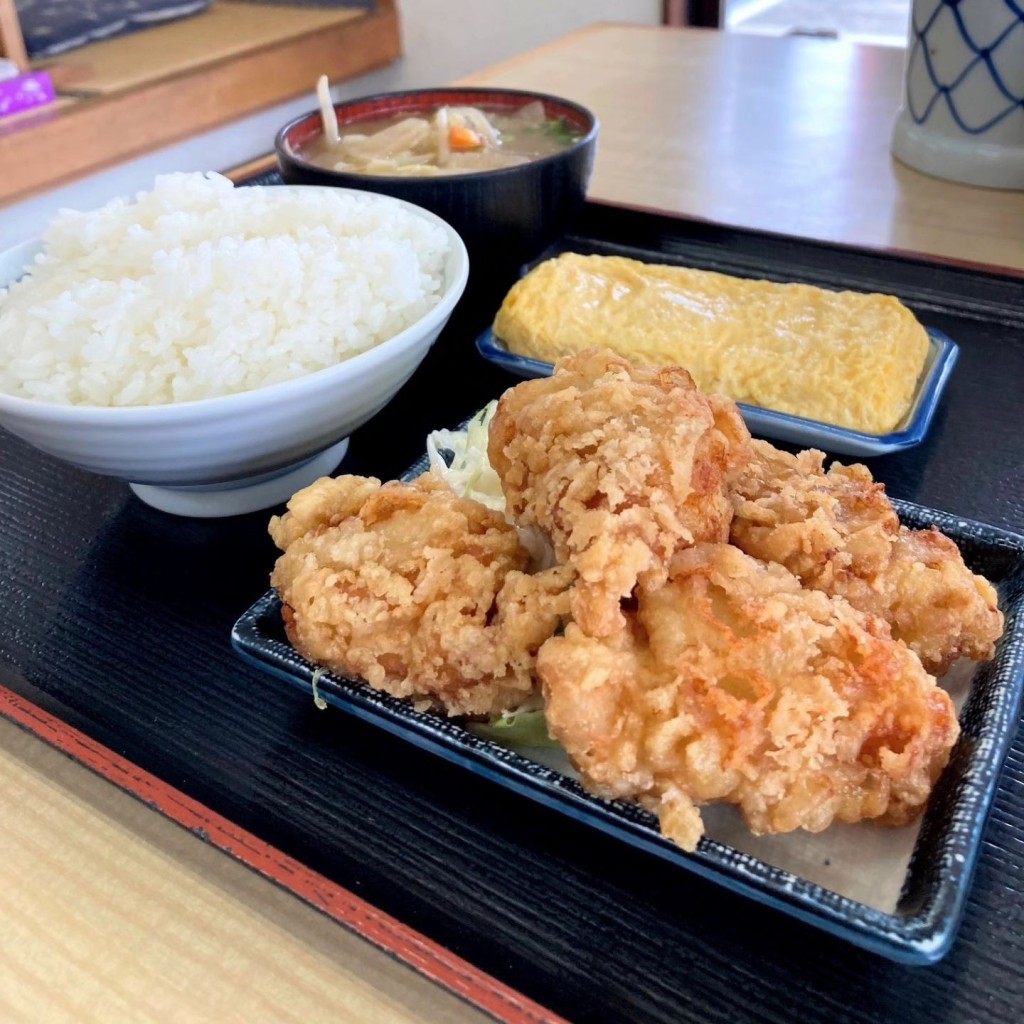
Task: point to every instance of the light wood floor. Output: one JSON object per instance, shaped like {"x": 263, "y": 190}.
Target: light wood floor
{"x": 118, "y": 916}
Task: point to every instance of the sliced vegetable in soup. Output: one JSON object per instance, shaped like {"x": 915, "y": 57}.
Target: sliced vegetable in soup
{"x": 448, "y": 140}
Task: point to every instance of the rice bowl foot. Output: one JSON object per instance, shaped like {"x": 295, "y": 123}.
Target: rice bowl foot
{"x": 237, "y": 497}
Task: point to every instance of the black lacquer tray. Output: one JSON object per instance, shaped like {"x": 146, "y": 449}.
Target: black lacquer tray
{"x": 923, "y": 924}
{"x": 117, "y": 619}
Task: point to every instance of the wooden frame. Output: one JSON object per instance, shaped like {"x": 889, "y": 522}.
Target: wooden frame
{"x": 699, "y": 13}
{"x": 12, "y": 43}
{"x": 87, "y": 130}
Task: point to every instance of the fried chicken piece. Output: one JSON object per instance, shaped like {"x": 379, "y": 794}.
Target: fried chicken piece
{"x": 421, "y": 593}
{"x": 621, "y": 467}
{"x": 735, "y": 684}
{"x": 838, "y": 532}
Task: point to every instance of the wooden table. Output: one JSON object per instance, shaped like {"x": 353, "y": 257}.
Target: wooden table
{"x": 109, "y": 912}
{"x": 788, "y": 135}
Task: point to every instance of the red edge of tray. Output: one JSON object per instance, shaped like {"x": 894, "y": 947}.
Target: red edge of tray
{"x": 423, "y": 955}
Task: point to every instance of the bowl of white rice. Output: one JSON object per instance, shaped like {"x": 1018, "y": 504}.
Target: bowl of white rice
{"x": 216, "y": 346}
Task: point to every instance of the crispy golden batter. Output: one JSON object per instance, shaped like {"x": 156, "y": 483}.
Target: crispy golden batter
{"x": 734, "y": 684}
{"x": 838, "y": 532}
{"x": 419, "y": 592}
{"x": 621, "y": 467}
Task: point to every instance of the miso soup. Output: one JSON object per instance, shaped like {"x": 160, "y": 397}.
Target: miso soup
{"x": 447, "y": 140}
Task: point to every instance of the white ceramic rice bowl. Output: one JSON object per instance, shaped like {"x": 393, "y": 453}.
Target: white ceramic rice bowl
{"x": 240, "y": 452}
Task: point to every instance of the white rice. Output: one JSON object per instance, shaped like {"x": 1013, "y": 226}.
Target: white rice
{"x": 198, "y": 289}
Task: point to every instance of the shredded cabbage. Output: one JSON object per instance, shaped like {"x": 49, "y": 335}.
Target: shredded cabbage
{"x": 470, "y": 474}
{"x": 317, "y": 699}
{"x": 521, "y": 728}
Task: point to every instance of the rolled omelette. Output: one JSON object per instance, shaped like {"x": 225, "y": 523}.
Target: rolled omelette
{"x": 846, "y": 358}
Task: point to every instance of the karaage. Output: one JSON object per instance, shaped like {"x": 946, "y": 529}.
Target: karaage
{"x": 621, "y": 466}
{"x": 421, "y": 593}
{"x": 838, "y": 532}
{"x": 735, "y": 684}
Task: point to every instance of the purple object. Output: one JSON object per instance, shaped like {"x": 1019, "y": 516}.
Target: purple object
{"x": 26, "y": 92}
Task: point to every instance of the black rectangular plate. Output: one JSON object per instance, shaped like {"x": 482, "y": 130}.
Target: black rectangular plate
{"x": 925, "y": 922}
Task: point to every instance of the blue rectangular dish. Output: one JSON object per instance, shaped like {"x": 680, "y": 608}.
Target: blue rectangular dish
{"x": 796, "y": 430}
{"x": 930, "y": 897}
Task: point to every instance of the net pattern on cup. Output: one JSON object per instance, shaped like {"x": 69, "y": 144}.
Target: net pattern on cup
{"x": 978, "y": 58}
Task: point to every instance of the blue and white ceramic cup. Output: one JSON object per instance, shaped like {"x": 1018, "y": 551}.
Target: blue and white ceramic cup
{"x": 963, "y": 109}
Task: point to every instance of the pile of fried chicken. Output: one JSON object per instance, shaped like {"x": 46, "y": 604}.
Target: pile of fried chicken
{"x": 723, "y": 621}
